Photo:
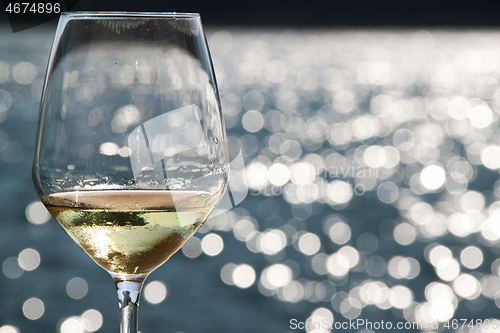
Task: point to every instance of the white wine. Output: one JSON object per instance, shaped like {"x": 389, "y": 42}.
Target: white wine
{"x": 130, "y": 232}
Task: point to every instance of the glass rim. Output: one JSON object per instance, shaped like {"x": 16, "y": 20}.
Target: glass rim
{"x": 126, "y": 14}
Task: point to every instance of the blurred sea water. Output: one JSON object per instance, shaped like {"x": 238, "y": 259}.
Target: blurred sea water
{"x": 372, "y": 160}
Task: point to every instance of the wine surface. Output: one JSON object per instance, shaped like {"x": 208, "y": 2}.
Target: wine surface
{"x": 130, "y": 232}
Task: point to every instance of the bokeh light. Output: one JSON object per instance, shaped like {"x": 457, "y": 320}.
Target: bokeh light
{"x": 33, "y": 308}
{"x": 77, "y": 288}
{"x": 11, "y": 268}
{"x": 212, "y": 244}
{"x": 155, "y": 292}
{"x": 9, "y": 329}
{"x": 467, "y": 286}
{"x": 471, "y": 257}
{"x": 71, "y": 325}
{"x": 92, "y": 320}
{"x": 253, "y": 121}
{"x": 276, "y": 276}
{"x": 403, "y": 267}
{"x": 367, "y": 243}
{"x": 433, "y": 177}
{"x": 243, "y": 276}
{"x": 36, "y": 213}
{"x": 29, "y": 259}
{"x": 24, "y": 73}
{"x": 404, "y": 234}
{"x": 400, "y": 297}
{"x": 226, "y": 273}
{"x": 339, "y": 232}
{"x": 272, "y": 241}
{"x": 192, "y": 248}
{"x": 309, "y": 243}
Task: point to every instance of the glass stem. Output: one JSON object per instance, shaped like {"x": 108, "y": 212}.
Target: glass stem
{"x": 129, "y": 293}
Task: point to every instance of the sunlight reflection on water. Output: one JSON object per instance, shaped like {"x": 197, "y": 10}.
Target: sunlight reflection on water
{"x": 372, "y": 160}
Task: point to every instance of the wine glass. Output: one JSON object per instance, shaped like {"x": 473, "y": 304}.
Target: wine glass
{"x": 130, "y": 154}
